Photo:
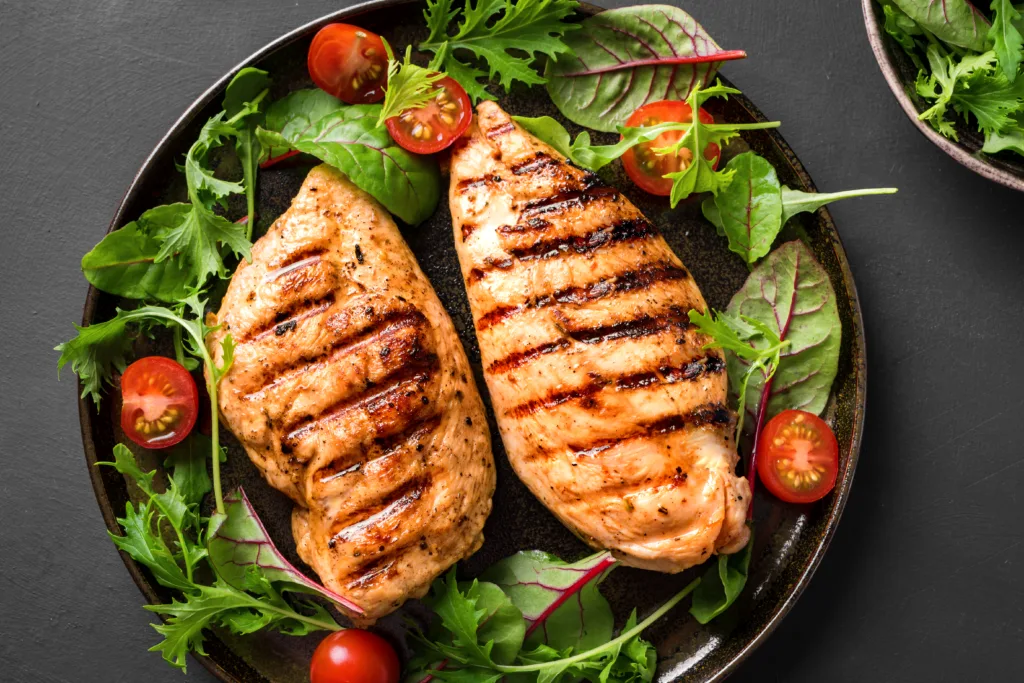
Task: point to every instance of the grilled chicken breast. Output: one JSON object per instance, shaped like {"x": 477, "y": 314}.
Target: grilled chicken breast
{"x": 352, "y": 394}
{"x": 611, "y": 412}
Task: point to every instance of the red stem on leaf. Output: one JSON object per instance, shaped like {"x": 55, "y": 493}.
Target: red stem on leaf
{"x": 723, "y": 56}
{"x": 762, "y": 413}
{"x": 281, "y": 157}
{"x": 606, "y": 563}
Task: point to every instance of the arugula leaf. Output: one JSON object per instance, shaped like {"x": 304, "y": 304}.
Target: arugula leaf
{"x": 1007, "y": 41}
{"x": 148, "y": 548}
{"x": 408, "y": 185}
{"x": 750, "y": 207}
{"x": 124, "y": 264}
{"x": 97, "y": 351}
{"x": 497, "y": 33}
{"x": 560, "y": 602}
{"x": 242, "y": 105}
{"x": 789, "y": 297}
{"x": 409, "y": 86}
{"x": 224, "y": 605}
{"x": 237, "y": 540}
{"x": 194, "y": 234}
{"x": 736, "y": 334}
{"x": 721, "y": 584}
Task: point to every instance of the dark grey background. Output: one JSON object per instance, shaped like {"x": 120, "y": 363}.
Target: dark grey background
{"x": 923, "y": 580}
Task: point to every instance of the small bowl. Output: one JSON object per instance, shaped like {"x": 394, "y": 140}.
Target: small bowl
{"x": 900, "y": 73}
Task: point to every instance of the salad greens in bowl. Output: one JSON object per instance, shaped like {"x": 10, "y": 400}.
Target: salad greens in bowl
{"x": 209, "y": 541}
{"x": 956, "y": 70}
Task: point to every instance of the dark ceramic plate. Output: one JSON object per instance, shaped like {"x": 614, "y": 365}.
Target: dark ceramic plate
{"x": 790, "y": 540}
{"x": 900, "y": 73}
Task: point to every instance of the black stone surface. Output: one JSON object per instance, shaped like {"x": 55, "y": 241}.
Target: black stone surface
{"x": 922, "y": 579}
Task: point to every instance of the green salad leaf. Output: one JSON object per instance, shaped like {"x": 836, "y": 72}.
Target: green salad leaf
{"x": 242, "y": 100}
{"x": 797, "y": 201}
{"x": 409, "y": 86}
{"x": 295, "y": 113}
{"x": 407, "y": 184}
{"x": 721, "y": 584}
{"x": 506, "y": 36}
{"x": 956, "y": 22}
{"x": 750, "y": 207}
{"x": 623, "y": 58}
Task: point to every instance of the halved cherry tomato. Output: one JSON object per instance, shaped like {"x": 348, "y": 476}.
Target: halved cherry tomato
{"x": 354, "y": 656}
{"x": 798, "y": 457}
{"x": 349, "y": 62}
{"x": 644, "y": 167}
{"x": 435, "y": 125}
{"x": 160, "y": 401}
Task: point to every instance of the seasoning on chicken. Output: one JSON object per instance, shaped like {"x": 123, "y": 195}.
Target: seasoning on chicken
{"x": 611, "y": 412}
{"x": 352, "y": 394}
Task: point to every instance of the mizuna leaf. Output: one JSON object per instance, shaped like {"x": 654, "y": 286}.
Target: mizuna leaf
{"x": 560, "y": 601}
{"x": 790, "y": 293}
{"x": 624, "y": 58}
{"x": 957, "y": 22}
{"x": 407, "y": 184}
{"x": 237, "y": 540}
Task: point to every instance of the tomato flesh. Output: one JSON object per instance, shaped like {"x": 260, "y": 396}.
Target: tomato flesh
{"x": 798, "y": 457}
{"x": 348, "y": 62}
{"x": 354, "y": 656}
{"x": 159, "y": 403}
{"x": 435, "y": 125}
{"x": 644, "y": 166}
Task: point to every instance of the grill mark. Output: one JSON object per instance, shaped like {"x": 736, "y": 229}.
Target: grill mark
{"x": 300, "y": 259}
{"x": 537, "y": 163}
{"x": 373, "y": 398}
{"x": 490, "y": 263}
{"x": 382, "y": 447}
{"x": 534, "y": 224}
{"x": 664, "y": 375}
{"x": 468, "y": 184}
{"x": 706, "y": 415}
{"x": 380, "y": 328}
{"x": 631, "y": 280}
{"x": 620, "y": 231}
{"x": 517, "y": 358}
{"x": 289, "y": 317}
{"x": 642, "y": 326}
{"x": 503, "y": 129}
{"x": 567, "y": 199}
{"x": 391, "y": 505}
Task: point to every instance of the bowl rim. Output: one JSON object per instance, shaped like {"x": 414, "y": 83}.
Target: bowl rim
{"x": 880, "y": 47}
{"x": 88, "y": 414}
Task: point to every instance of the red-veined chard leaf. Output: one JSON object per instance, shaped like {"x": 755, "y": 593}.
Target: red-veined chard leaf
{"x": 791, "y": 293}
{"x": 957, "y": 22}
{"x": 624, "y": 58}
{"x": 237, "y": 540}
{"x": 750, "y": 207}
{"x": 407, "y": 184}
{"x": 559, "y": 601}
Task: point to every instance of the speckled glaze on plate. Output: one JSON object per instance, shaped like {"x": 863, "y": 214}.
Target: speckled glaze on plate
{"x": 900, "y": 73}
{"x": 789, "y": 541}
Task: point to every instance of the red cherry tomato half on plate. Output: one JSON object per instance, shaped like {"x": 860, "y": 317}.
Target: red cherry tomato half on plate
{"x": 646, "y": 168}
{"x": 354, "y": 656}
{"x": 160, "y": 402}
{"x": 798, "y": 457}
{"x": 349, "y": 62}
{"x": 437, "y": 124}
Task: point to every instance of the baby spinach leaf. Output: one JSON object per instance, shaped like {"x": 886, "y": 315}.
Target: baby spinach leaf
{"x": 237, "y": 541}
{"x": 956, "y": 22}
{"x": 750, "y": 207}
{"x": 124, "y": 264}
{"x": 791, "y": 295}
{"x": 797, "y": 201}
{"x": 721, "y": 584}
{"x": 408, "y": 185}
{"x": 294, "y": 114}
{"x": 624, "y": 58}
{"x": 559, "y": 601}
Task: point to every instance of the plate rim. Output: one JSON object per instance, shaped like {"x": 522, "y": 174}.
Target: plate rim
{"x": 879, "y": 46}
{"x": 88, "y": 413}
